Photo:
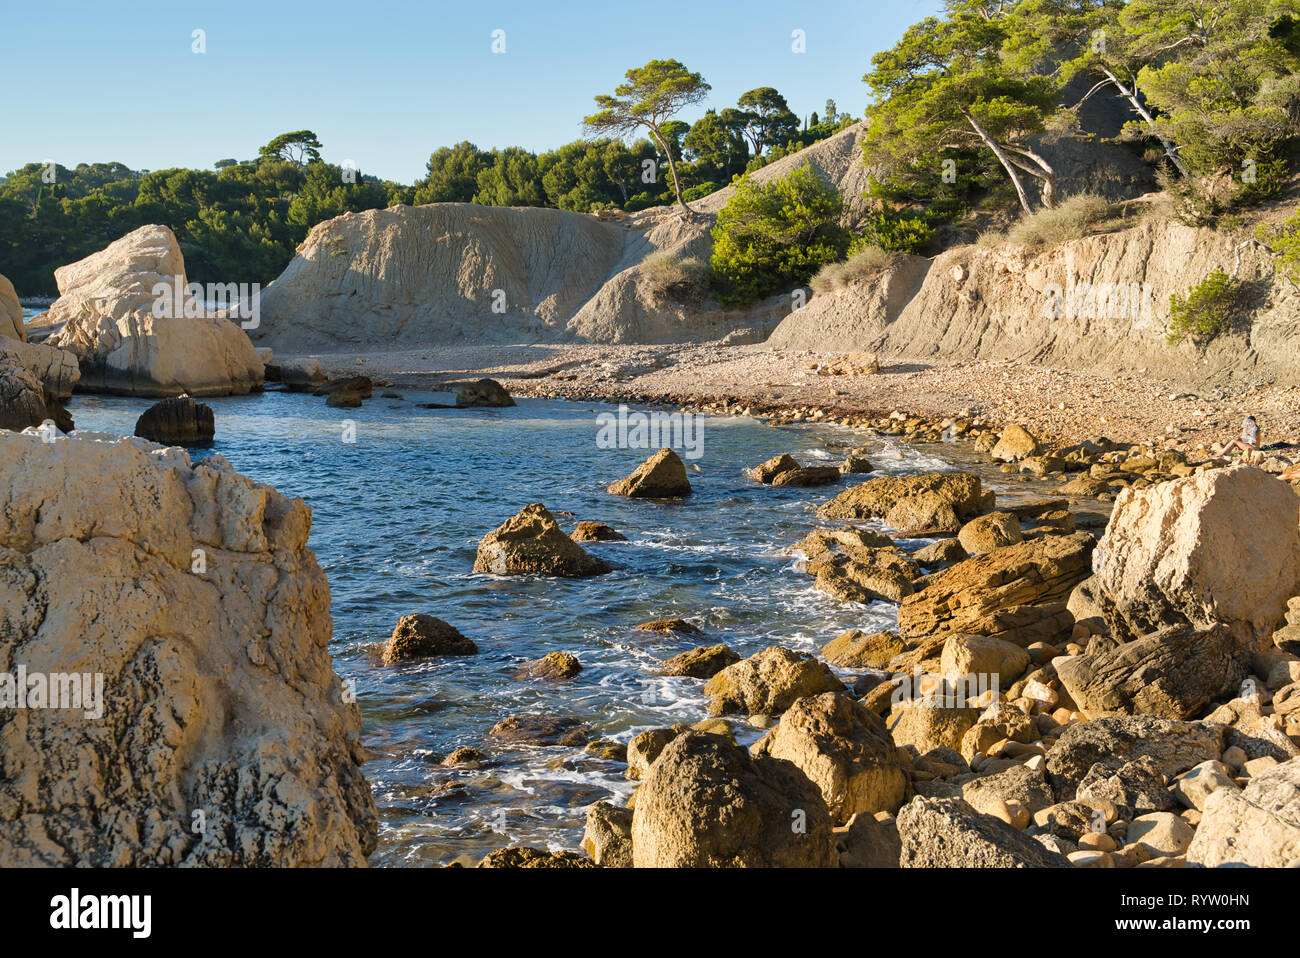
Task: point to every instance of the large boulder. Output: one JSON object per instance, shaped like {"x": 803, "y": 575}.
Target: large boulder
{"x": 11, "y": 313}
{"x": 420, "y": 636}
{"x": 1015, "y": 442}
{"x": 1258, "y": 826}
{"x": 662, "y": 476}
{"x": 1173, "y": 746}
{"x": 55, "y": 369}
{"x": 706, "y": 802}
{"x": 483, "y": 392}
{"x": 948, "y": 833}
{"x": 844, "y": 750}
{"x": 1220, "y": 546}
{"x": 110, "y": 305}
{"x": 22, "y": 401}
{"x": 1174, "y": 673}
{"x": 220, "y": 735}
{"x": 1017, "y": 593}
{"x": 768, "y": 682}
{"x": 177, "y": 422}
{"x": 877, "y": 498}
{"x": 532, "y": 543}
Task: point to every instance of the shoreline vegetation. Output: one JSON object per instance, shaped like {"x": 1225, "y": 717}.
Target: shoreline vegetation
{"x": 1062, "y": 248}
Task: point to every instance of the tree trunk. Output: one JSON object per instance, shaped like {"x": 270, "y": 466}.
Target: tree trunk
{"x": 672, "y": 169}
{"x": 1131, "y": 96}
{"x": 1002, "y": 158}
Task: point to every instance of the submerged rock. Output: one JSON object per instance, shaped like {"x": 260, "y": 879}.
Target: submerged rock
{"x": 483, "y": 392}
{"x": 596, "y": 532}
{"x": 191, "y": 590}
{"x": 346, "y": 393}
{"x": 532, "y": 543}
{"x": 517, "y": 856}
{"x": 555, "y": 666}
{"x": 702, "y": 662}
{"x": 707, "y": 803}
{"x": 807, "y": 476}
{"x": 670, "y": 626}
{"x": 420, "y": 636}
{"x": 662, "y": 476}
{"x": 541, "y": 730}
{"x": 177, "y": 422}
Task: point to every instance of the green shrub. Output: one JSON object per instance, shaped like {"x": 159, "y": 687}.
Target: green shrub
{"x": 700, "y": 190}
{"x": 670, "y": 277}
{"x": 897, "y": 232}
{"x": 775, "y": 236}
{"x": 863, "y": 263}
{"x": 1285, "y": 242}
{"x": 1207, "y": 310}
{"x": 1070, "y": 219}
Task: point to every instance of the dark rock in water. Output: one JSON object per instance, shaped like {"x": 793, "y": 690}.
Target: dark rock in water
{"x": 532, "y": 543}
{"x": 701, "y": 663}
{"x": 346, "y": 393}
{"x": 420, "y": 636}
{"x": 554, "y": 665}
{"x": 483, "y": 392}
{"x": 521, "y": 857}
{"x": 542, "y": 730}
{"x": 596, "y": 532}
{"x": 298, "y": 376}
{"x": 22, "y": 400}
{"x": 177, "y": 422}
{"x": 271, "y": 373}
{"x": 662, "y": 476}
{"x": 665, "y": 626}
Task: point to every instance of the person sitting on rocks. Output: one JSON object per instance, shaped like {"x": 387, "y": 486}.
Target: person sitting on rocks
{"x": 1248, "y": 441}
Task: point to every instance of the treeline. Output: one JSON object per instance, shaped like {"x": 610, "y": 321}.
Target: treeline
{"x": 242, "y": 220}
{"x": 1210, "y": 87}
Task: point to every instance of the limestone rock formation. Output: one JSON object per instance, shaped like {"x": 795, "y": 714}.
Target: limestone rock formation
{"x": 1017, "y": 593}
{"x": 109, "y": 308}
{"x": 1258, "y": 826}
{"x": 1174, "y": 746}
{"x": 662, "y": 476}
{"x": 1222, "y": 546}
{"x": 22, "y": 401}
{"x": 608, "y": 835}
{"x": 844, "y": 750}
{"x": 419, "y": 636}
{"x": 55, "y": 369}
{"x": 177, "y": 422}
{"x": 11, "y": 313}
{"x": 878, "y": 498}
{"x": 948, "y": 833}
{"x": 532, "y": 543}
{"x": 856, "y": 649}
{"x": 706, "y": 803}
{"x": 703, "y": 662}
{"x": 768, "y": 682}
{"x": 1174, "y": 673}
{"x": 191, "y": 592}
{"x": 989, "y": 532}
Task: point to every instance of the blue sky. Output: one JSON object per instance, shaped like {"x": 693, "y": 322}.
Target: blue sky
{"x": 385, "y": 83}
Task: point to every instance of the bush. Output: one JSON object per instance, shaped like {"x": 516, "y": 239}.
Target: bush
{"x": 1070, "y": 219}
{"x": 775, "y": 236}
{"x": 670, "y": 277}
{"x": 898, "y": 232}
{"x": 863, "y": 263}
{"x": 1285, "y": 242}
{"x": 700, "y": 190}
{"x": 1207, "y": 310}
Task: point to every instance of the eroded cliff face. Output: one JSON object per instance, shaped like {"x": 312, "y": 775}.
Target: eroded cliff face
{"x": 207, "y": 725}
{"x": 1099, "y": 303}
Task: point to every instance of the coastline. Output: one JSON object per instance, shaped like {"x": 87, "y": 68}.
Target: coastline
{"x": 1060, "y": 407}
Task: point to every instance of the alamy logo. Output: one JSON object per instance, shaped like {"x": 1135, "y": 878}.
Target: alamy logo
{"x": 53, "y": 690}
{"x": 75, "y": 911}
{"x": 1084, "y": 300}
{"x": 652, "y": 430}
{"x": 177, "y": 299}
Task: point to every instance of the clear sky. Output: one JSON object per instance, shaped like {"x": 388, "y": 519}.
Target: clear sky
{"x": 385, "y": 82}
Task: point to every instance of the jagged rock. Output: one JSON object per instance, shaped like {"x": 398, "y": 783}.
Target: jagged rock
{"x": 1016, "y": 442}
{"x": 1174, "y": 747}
{"x": 540, "y": 730}
{"x": 193, "y": 590}
{"x": 645, "y": 747}
{"x": 856, "y": 649}
{"x": 869, "y": 841}
{"x": 708, "y": 803}
{"x": 844, "y": 750}
{"x": 517, "y": 856}
{"x": 1133, "y": 787}
{"x": 55, "y": 369}
{"x": 948, "y": 833}
{"x": 111, "y": 307}
{"x": 596, "y": 532}
{"x": 662, "y": 476}
{"x": 807, "y": 476}
{"x": 463, "y": 756}
{"x": 608, "y": 835}
{"x": 177, "y": 422}
{"x": 419, "y": 636}
{"x": 483, "y": 392}
{"x": 555, "y": 666}
{"x": 670, "y": 627}
{"x": 989, "y": 532}
{"x": 532, "y": 543}
{"x": 1175, "y": 553}
{"x": 1174, "y": 673}
{"x": 879, "y": 575}
{"x": 853, "y": 541}
{"x": 768, "y": 682}
{"x": 1019, "y": 783}
{"x": 939, "y": 555}
{"x": 22, "y": 402}
{"x": 1017, "y": 593}
{"x": 877, "y": 498}
{"x": 765, "y": 472}
{"x": 703, "y": 662}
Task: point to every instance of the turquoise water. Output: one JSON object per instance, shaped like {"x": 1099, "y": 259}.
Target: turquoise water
{"x": 397, "y": 516}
